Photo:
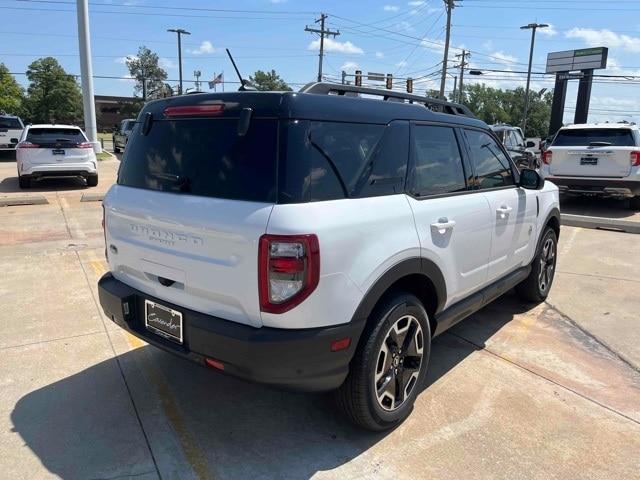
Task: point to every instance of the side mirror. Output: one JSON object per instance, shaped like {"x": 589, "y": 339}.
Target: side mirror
{"x": 14, "y": 140}
{"x": 531, "y": 180}
{"x": 531, "y": 144}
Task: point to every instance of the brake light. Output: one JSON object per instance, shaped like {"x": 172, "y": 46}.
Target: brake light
{"x": 635, "y": 158}
{"x": 547, "y": 157}
{"x": 27, "y": 145}
{"x": 84, "y": 145}
{"x": 288, "y": 270}
{"x": 194, "y": 110}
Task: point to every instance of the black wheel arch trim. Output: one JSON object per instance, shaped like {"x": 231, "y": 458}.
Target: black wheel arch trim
{"x": 409, "y": 266}
{"x": 554, "y": 213}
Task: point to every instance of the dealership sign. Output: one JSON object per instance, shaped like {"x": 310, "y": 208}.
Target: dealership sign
{"x": 573, "y": 60}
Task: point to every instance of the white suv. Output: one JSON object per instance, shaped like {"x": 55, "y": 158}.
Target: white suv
{"x": 596, "y": 159}
{"x": 317, "y": 241}
{"x": 11, "y": 128}
{"x": 55, "y": 151}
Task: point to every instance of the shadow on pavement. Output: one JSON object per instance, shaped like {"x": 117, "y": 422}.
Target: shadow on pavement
{"x": 244, "y": 430}
{"x": 10, "y": 185}
{"x": 7, "y": 155}
{"x": 596, "y": 207}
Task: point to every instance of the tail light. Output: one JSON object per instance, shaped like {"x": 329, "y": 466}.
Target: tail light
{"x": 635, "y": 158}
{"x": 288, "y": 270}
{"x": 84, "y": 145}
{"x": 547, "y": 157}
{"x": 194, "y": 110}
{"x": 27, "y": 145}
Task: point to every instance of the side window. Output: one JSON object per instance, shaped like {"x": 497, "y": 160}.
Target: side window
{"x": 437, "y": 163}
{"x": 508, "y": 139}
{"x": 519, "y": 141}
{"x": 492, "y": 165}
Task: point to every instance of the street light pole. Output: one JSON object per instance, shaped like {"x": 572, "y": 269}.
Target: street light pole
{"x": 89, "y": 106}
{"x": 533, "y": 27}
{"x": 180, "y": 32}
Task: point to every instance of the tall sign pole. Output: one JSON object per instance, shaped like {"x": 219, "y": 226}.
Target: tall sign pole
{"x": 533, "y": 27}
{"x": 86, "y": 71}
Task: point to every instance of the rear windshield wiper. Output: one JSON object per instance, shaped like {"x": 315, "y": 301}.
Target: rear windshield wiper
{"x": 599, "y": 144}
{"x": 183, "y": 183}
{"x": 331, "y": 163}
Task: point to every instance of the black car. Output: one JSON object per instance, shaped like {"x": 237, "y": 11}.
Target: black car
{"x": 121, "y": 134}
{"x": 519, "y": 150}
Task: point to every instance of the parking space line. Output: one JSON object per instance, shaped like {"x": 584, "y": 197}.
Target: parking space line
{"x": 7, "y": 347}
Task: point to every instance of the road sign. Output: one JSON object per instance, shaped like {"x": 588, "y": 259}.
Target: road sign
{"x": 573, "y": 60}
{"x": 570, "y": 76}
{"x": 379, "y": 77}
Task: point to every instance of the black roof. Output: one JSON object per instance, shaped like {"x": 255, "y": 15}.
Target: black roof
{"x": 313, "y": 106}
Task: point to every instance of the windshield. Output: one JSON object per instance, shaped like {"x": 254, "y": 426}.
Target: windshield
{"x": 594, "y": 136}
{"x": 11, "y": 122}
{"x": 128, "y": 125}
{"x": 204, "y": 157}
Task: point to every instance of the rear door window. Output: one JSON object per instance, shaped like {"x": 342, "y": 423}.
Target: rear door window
{"x": 437, "y": 162}
{"x": 609, "y": 137}
{"x": 55, "y": 136}
{"x": 204, "y": 157}
{"x": 11, "y": 122}
{"x": 492, "y": 166}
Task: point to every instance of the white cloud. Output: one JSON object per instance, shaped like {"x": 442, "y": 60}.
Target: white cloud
{"x": 550, "y": 31}
{"x": 127, "y": 78}
{"x": 416, "y": 3}
{"x": 390, "y": 8}
{"x": 204, "y": 48}
{"x": 167, "y": 63}
{"x": 123, "y": 60}
{"x": 401, "y": 64}
{"x": 278, "y": 1}
{"x": 379, "y": 55}
{"x": 406, "y": 26}
{"x": 504, "y": 58}
{"x": 488, "y": 45}
{"x": 594, "y": 38}
{"x": 349, "y": 66}
{"x": 331, "y": 45}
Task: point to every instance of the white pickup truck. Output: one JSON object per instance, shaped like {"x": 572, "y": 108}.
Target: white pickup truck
{"x": 596, "y": 159}
{"x": 11, "y": 128}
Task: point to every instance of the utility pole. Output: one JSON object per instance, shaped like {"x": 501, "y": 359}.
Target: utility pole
{"x": 197, "y": 74}
{"x": 533, "y": 27}
{"x": 449, "y": 4}
{"x": 180, "y": 32}
{"x": 454, "y": 96}
{"x": 322, "y": 32}
{"x": 463, "y": 63}
{"x": 86, "y": 69}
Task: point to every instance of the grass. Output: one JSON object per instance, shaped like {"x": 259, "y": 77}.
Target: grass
{"x": 103, "y": 156}
{"x": 104, "y": 136}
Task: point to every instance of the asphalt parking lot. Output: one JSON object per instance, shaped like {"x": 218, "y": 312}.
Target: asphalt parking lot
{"x": 551, "y": 391}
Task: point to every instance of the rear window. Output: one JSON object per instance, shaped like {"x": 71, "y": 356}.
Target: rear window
{"x": 204, "y": 157}
{"x": 128, "y": 125}
{"x": 622, "y": 137}
{"x": 11, "y": 122}
{"x": 53, "y": 136}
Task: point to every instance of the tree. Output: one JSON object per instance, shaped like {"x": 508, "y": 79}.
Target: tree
{"x": 11, "y": 93}
{"x": 494, "y": 105}
{"x": 53, "y": 94}
{"x": 269, "y": 81}
{"x": 147, "y": 72}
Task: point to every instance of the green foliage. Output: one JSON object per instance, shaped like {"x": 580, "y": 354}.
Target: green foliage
{"x": 149, "y": 76}
{"x": 494, "y": 105}
{"x": 269, "y": 81}
{"x": 53, "y": 94}
{"x": 11, "y": 93}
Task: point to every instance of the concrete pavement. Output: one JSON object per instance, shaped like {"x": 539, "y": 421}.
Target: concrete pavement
{"x": 515, "y": 392}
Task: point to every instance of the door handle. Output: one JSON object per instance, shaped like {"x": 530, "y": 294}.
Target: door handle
{"x": 503, "y": 211}
{"x": 443, "y": 224}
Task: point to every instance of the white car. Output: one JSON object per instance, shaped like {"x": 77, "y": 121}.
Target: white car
{"x": 601, "y": 159}
{"x": 55, "y": 151}
{"x": 315, "y": 241}
{"x": 11, "y": 128}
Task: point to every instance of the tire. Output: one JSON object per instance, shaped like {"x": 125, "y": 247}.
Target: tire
{"x": 377, "y": 356}
{"x": 634, "y": 203}
{"x": 115, "y": 147}
{"x": 24, "y": 182}
{"x": 536, "y": 287}
{"x": 92, "y": 181}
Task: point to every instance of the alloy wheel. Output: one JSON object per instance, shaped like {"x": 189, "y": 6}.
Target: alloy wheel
{"x": 547, "y": 264}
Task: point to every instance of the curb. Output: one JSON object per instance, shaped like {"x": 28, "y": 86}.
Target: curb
{"x": 603, "y": 223}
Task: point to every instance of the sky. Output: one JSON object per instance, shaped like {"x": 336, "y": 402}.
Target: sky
{"x": 404, "y": 38}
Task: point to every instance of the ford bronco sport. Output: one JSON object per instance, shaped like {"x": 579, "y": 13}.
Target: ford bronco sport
{"x": 318, "y": 241}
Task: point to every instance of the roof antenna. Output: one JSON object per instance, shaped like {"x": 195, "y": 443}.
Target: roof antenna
{"x": 244, "y": 84}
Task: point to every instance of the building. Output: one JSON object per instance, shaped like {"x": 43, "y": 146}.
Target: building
{"x": 111, "y": 110}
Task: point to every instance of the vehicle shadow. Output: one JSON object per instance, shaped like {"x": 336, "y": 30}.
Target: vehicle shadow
{"x": 243, "y": 430}
{"x": 10, "y": 185}
{"x": 7, "y": 156}
{"x": 596, "y": 207}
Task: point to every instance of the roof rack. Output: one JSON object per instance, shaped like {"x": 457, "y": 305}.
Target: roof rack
{"x": 436, "y": 104}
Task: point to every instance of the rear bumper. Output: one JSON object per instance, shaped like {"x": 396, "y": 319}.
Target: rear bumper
{"x": 291, "y": 359}
{"x": 63, "y": 170}
{"x": 597, "y": 186}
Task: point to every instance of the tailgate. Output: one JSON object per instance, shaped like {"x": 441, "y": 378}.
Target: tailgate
{"x": 197, "y": 252}
{"x": 591, "y": 161}
{"x": 60, "y": 155}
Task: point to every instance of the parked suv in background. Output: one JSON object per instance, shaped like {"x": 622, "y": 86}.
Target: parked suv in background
{"x": 11, "y": 128}
{"x": 47, "y": 151}
{"x": 318, "y": 241}
{"x": 596, "y": 159}
{"x": 520, "y": 150}
{"x": 121, "y": 134}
